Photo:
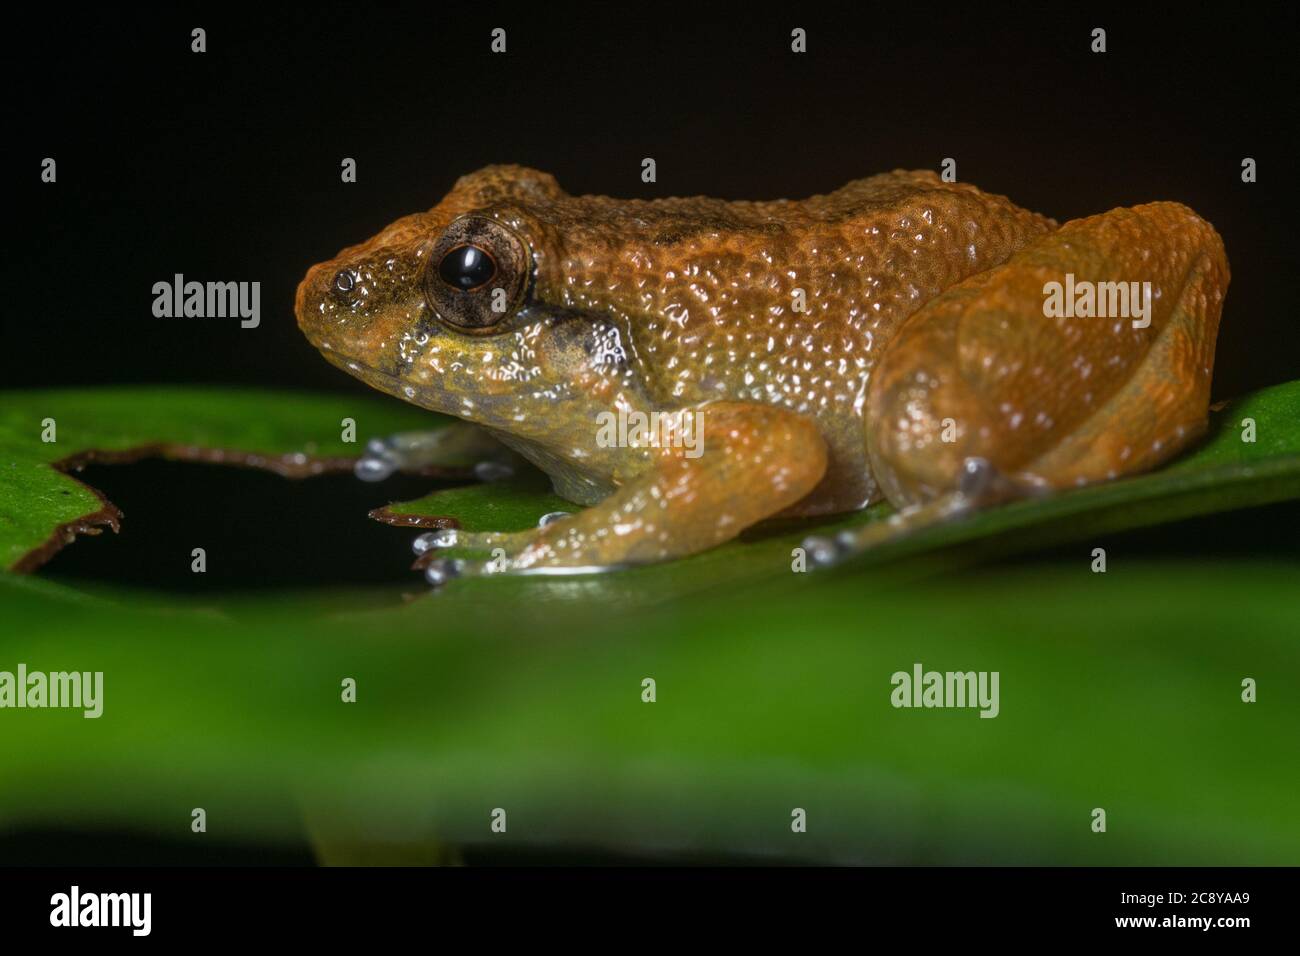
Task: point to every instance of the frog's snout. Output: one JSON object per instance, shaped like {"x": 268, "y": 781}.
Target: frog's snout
{"x": 337, "y": 308}
{"x": 307, "y": 306}
{"x": 361, "y": 312}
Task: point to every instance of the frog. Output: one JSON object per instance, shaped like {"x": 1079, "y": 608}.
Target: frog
{"x": 892, "y": 339}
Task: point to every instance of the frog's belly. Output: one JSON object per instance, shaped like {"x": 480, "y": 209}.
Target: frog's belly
{"x": 848, "y": 484}
{"x": 833, "y": 395}
{"x": 818, "y": 368}
{"x": 572, "y": 480}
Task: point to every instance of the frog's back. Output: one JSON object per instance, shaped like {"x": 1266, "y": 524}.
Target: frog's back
{"x": 706, "y": 288}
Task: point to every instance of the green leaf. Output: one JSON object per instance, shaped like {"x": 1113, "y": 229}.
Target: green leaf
{"x": 1120, "y": 691}
{"x": 515, "y": 504}
{"x": 41, "y": 507}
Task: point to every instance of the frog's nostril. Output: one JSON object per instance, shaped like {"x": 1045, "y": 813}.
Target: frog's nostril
{"x": 344, "y": 281}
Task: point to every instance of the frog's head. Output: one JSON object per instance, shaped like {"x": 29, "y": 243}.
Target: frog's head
{"x": 443, "y": 308}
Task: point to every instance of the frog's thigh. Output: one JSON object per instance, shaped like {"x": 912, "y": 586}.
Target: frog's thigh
{"x": 985, "y": 372}
{"x": 752, "y": 462}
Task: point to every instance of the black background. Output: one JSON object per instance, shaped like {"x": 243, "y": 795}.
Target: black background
{"x": 225, "y": 166}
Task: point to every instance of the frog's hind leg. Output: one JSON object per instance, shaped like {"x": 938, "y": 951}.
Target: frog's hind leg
{"x": 1086, "y": 357}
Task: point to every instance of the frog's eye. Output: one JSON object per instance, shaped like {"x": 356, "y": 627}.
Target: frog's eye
{"x": 467, "y": 268}
{"x": 477, "y": 274}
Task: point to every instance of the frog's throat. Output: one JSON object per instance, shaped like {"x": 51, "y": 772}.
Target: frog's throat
{"x": 424, "y": 396}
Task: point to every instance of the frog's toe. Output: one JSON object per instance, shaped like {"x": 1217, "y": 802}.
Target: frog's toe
{"x": 439, "y": 571}
{"x": 404, "y": 451}
{"x": 551, "y": 517}
{"x": 442, "y": 538}
{"x": 373, "y": 467}
{"x": 442, "y": 570}
{"x": 823, "y": 551}
{"x": 458, "y": 450}
{"x": 507, "y": 541}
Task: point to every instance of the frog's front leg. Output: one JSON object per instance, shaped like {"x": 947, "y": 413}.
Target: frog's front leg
{"x": 457, "y": 447}
{"x": 752, "y": 462}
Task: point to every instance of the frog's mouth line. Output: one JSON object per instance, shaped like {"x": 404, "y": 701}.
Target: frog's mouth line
{"x": 431, "y": 397}
{"x": 381, "y": 381}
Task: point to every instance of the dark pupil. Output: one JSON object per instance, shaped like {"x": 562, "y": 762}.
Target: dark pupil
{"x": 344, "y": 281}
{"x": 466, "y": 268}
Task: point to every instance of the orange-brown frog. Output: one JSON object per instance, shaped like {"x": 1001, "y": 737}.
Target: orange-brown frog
{"x": 689, "y": 367}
